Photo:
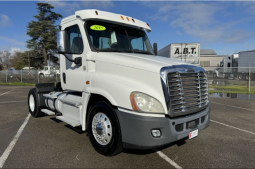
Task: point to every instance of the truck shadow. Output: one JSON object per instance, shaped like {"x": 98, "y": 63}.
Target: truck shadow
{"x": 76, "y": 129}
{"x": 130, "y": 151}
{"x": 150, "y": 151}
{"x": 56, "y": 120}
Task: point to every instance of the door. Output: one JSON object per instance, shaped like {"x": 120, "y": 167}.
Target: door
{"x": 73, "y": 75}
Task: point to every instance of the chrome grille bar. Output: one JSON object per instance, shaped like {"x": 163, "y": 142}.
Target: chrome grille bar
{"x": 188, "y": 92}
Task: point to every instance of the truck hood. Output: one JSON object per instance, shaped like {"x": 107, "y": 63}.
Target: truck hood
{"x": 139, "y": 61}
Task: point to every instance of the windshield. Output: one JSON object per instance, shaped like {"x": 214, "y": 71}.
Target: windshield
{"x": 117, "y": 38}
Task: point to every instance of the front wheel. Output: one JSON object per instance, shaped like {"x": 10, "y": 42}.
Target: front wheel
{"x": 104, "y": 129}
{"x": 240, "y": 76}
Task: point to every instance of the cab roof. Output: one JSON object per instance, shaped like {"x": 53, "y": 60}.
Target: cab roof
{"x": 108, "y": 16}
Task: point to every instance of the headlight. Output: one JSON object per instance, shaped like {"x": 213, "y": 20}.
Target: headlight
{"x": 145, "y": 103}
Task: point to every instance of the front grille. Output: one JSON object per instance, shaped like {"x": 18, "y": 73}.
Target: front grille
{"x": 188, "y": 92}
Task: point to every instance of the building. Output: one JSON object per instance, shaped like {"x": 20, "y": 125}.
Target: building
{"x": 209, "y": 59}
{"x": 191, "y": 53}
{"x": 187, "y": 52}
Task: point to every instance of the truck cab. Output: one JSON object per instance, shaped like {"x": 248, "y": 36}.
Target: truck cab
{"x": 115, "y": 87}
{"x": 227, "y": 67}
{"x": 47, "y": 71}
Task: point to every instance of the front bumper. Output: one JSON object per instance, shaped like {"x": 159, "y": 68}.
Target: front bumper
{"x": 136, "y": 129}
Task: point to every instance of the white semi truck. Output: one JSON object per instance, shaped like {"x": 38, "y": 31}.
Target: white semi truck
{"x": 237, "y": 66}
{"x": 228, "y": 67}
{"x": 117, "y": 89}
{"x": 48, "y": 71}
{"x": 186, "y": 52}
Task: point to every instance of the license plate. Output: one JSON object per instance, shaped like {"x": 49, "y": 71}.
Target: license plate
{"x": 193, "y": 134}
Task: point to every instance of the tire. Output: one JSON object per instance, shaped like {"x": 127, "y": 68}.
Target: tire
{"x": 108, "y": 127}
{"x": 247, "y": 77}
{"x": 240, "y": 77}
{"x": 214, "y": 75}
{"x": 41, "y": 75}
{"x": 32, "y": 101}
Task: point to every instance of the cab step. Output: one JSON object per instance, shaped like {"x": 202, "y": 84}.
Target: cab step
{"x": 69, "y": 121}
{"x": 71, "y": 102}
{"x": 47, "y": 111}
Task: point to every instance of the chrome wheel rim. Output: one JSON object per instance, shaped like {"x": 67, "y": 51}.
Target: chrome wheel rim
{"x": 102, "y": 128}
{"x": 32, "y": 103}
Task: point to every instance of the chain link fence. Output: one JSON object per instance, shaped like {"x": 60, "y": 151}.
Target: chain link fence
{"x": 231, "y": 82}
{"x": 231, "y": 75}
{"x": 224, "y": 82}
{"x": 26, "y": 76}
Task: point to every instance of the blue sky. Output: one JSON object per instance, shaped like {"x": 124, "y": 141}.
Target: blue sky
{"x": 226, "y": 27}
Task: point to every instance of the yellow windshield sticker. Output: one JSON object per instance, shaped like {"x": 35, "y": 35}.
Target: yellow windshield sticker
{"x": 97, "y": 28}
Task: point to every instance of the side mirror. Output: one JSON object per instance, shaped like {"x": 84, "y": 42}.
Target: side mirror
{"x": 62, "y": 47}
{"x": 155, "y": 48}
{"x": 61, "y": 42}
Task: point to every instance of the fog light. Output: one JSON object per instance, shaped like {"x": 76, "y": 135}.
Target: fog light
{"x": 156, "y": 133}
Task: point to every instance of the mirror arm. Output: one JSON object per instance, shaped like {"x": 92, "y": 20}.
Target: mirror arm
{"x": 77, "y": 60}
{"x": 71, "y": 60}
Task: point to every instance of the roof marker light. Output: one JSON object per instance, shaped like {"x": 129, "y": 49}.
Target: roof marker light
{"x": 148, "y": 24}
{"x": 122, "y": 17}
{"x": 133, "y": 20}
{"x": 96, "y": 12}
{"x": 127, "y": 18}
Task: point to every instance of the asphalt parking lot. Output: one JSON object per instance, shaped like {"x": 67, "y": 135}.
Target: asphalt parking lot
{"x": 46, "y": 143}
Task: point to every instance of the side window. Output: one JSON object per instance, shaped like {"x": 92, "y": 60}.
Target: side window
{"x": 45, "y": 68}
{"x": 91, "y": 38}
{"x": 75, "y": 43}
{"x": 138, "y": 44}
{"x": 104, "y": 42}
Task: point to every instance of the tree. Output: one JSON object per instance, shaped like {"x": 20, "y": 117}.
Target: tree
{"x": 5, "y": 58}
{"x": 15, "y": 58}
{"x": 22, "y": 60}
{"x": 43, "y": 32}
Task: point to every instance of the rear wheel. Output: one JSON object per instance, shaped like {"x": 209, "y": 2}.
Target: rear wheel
{"x": 104, "y": 129}
{"x": 247, "y": 77}
{"x": 33, "y": 107}
{"x": 214, "y": 75}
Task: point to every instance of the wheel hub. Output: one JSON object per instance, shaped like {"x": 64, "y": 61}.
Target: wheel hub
{"x": 102, "y": 128}
{"x": 99, "y": 129}
{"x": 32, "y": 102}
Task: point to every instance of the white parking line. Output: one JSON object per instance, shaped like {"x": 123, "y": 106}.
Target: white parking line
{"x": 233, "y": 106}
{"x": 11, "y": 102}
{"x": 7, "y": 152}
{"x": 5, "y": 93}
{"x": 15, "y": 88}
{"x": 233, "y": 127}
{"x": 162, "y": 155}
